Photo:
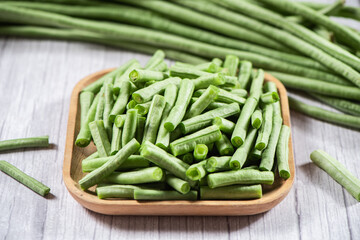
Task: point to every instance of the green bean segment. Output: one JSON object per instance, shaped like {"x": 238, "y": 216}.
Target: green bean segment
{"x": 100, "y": 137}
{"x": 178, "y": 184}
{"x": 245, "y": 74}
{"x": 231, "y": 192}
{"x": 130, "y": 125}
{"x": 202, "y": 102}
{"x": 218, "y": 164}
{"x": 120, "y": 104}
{"x": 256, "y": 119}
{"x": 282, "y": 152}
{"x": 139, "y": 75}
{"x": 116, "y": 191}
{"x": 153, "y": 119}
{"x": 149, "y": 194}
{"x": 224, "y": 146}
{"x": 224, "y": 125}
{"x": 134, "y": 161}
{"x": 196, "y": 171}
{"x": 144, "y": 175}
{"x": 266, "y": 127}
{"x": 42, "y": 141}
{"x": 200, "y": 152}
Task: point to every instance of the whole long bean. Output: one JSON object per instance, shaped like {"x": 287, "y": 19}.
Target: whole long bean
{"x": 177, "y": 113}
{"x": 164, "y": 160}
{"x": 246, "y": 176}
{"x": 239, "y": 158}
{"x": 100, "y": 137}
{"x": 231, "y": 192}
{"x": 340, "y": 104}
{"x": 266, "y": 128}
{"x": 23, "y": 178}
{"x": 158, "y": 39}
{"x": 205, "y": 119}
{"x": 42, "y": 141}
{"x": 130, "y": 126}
{"x": 239, "y": 134}
{"x": 134, "y": 161}
{"x": 218, "y": 164}
{"x": 163, "y": 136}
{"x": 153, "y": 119}
{"x": 105, "y": 170}
{"x": 187, "y": 144}
{"x": 178, "y": 184}
{"x": 203, "y": 101}
{"x": 147, "y": 93}
{"x": 325, "y": 115}
{"x": 345, "y": 11}
{"x": 224, "y": 146}
{"x": 83, "y": 139}
{"x": 316, "y": 86}
{"x": 282, "y": 152}
{"x": 149, "y": 194}
{"x": 337, "y": 171}
{"x": 144, "y": 175}
{"x": 122, "y": 99}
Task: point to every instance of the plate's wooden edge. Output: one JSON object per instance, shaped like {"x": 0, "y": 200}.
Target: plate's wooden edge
{"x": 133, "y": 207}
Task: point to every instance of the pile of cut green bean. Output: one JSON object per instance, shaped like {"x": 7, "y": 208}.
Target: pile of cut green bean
{"x": 297, "y": 42}
{"x": 207, "y": 131}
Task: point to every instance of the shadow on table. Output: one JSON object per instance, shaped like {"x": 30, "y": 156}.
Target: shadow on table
{"x": 310, "y": 168}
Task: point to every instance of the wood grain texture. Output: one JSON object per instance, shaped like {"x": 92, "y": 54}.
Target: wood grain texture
{"x": 36, "y": 80}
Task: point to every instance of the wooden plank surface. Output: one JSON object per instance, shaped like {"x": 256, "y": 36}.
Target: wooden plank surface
{"x": 36, "y": 80}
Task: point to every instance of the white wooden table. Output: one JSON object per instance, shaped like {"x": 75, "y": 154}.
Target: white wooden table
{"x": 36, "y": 80}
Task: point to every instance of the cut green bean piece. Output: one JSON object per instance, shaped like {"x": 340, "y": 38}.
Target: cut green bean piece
{"x": 239, "y": 158}
{"x": 124, "y": 76}
{"x": 269, "y": 97}
{"x": 188, "y": 158}
{"x": 266, "y": 128}
{"x": 205, "y": 81}
{"x": 83, "y": 139}
{"x": 224, "y": 125}
{"x": 231, "y": 192}
{"x": 42, "y": 141}
{"x": 282, "y": 152}
{"x": 96, "y": 86}
{"x": 257, "y": 84}
{"x": 196, "y": 171}
{"x": 240, "y": 92}
{"x": 154, "y": 118}
{"x": 161, "y": 67}
{"x": 245, "y": 74}
{"x": 109, "y": 103}
{"x": 186, "y": 72}
{"x": 246, "y": 177}
{"x": 147, "y": 93}
{"x": 140, "y": 75}
{"x": 145, "y": 175}
{"x": 100, "y": 137}
{"x": 224, "y": 146}
{"x": 325, "y": 115}
{"x": 203, "y": 101}
{"x": 268, "y": 156}
{"x": 256, "y": 119}
{"x": 157, "y": 58}
{"x": 200, "y": 152}
{"x": 218, "y": 164}
{"x": 239, "y": 134}
{"x": 205, "y": 119}
{"x": 105, "y": 170}
{"x": 271, "y": 87}
{"x": 91, "y": 156}
{"x": 215, "y": 105}
{"x": 120, "y": 120}
{"x": 337, "y": 171}
{"x": 139, "y": 134}
{"x": 131, "y": 104}
{"x": 134, "y": 161}
{"x": 116, "y": 191}
{"x": 228, "y": 97}
{"x": 177, "y": 113}
{"x": 178, "y": 184}
{"x": 187, "y": 144}
{"x": 255, "y": 155}
{"x": 86, "y": 99}
{"x": 121, "y": 101}
{"x": 164, "y": 160}
{"x": 23, "y": 178}
{"x": 116, "y": 140}
{"x": 147, "y": 194}
{"x": 143, "y": 108}
{"x": 100, "y": 106}
{"x": 231, "y": 63}
{"x": 130, "y": 125}
{"x": 163, "y": 136}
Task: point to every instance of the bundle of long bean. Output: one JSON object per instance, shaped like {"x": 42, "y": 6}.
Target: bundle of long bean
{"x": 124, "y": 166}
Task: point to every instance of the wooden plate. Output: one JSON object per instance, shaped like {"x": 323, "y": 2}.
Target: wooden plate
{"x": 72, "y": 172}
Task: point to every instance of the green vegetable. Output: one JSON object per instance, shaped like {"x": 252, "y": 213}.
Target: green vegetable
{"x": 23, "y": 178}
{"x": 144, "y": 175}
{"x": 207, "y": 80}
{"x": 187, "y": 144}
{"x": 178, "y": 184}
{"x": 153, "y": 119}
{"x": 269, "y": 97}
{"x": 257, "y": 84}
{"x": 246, "y": 177}
{"x": 200, "y": 152}
{"x": 116, "y": 191}
{"x": 105, "y": 170}
{"x": 224, "y": 125}
{"x": 196, "y": 171}
{"x": 186, "y": 72}
{"x": 149, "y": 194}
{"x": 337, "y": 171}
{"x": 139, "y": 134}
{"x": 256, "y": 119}
{"x": 245, "y": 74}
{"x": 120, "y": 120}
{"x": 282, "y": 152}
{"x": 156, "y": 59}
{"x": 100, "y": 106}
{"x": 140, "y": 75}
{"x": 266, "y": 128}
{"x": 124, "y": 76}
{"x": 109, "y": 102}
{"x": 231, "y": 192}
{"x": 188, "y": 158}
{"x": 134, "y": 161}
{"x": 130, "y": 125}
{"x": 231, "y": 63}
{"x": 218, "y": 164}
{"x": 143, "y": 108}
{"x": 100, "y": 137}
{"x": 224, "y": 146}
{"x": 122, "y": 99}
{"x": 340, "y": 104}
{"x": 42, "y": 141}
{"x": 116, "y": 140}
{"x": 202, "y": 102}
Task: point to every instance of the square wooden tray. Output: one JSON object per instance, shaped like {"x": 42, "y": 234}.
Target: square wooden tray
{"x": 72, "y": 173}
